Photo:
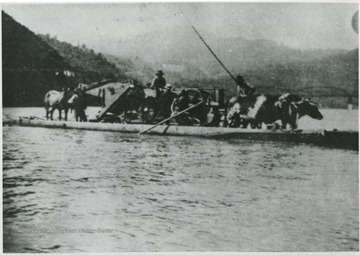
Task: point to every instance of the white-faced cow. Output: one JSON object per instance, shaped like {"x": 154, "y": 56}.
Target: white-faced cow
{"x": 258, "y": 109}
{"x": 294, "y": 107}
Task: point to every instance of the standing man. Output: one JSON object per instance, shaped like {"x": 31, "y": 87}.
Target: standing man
{"x": 159, "y": 84}
{"x": 243, "y": 87}
{"x": 166, "y": 99}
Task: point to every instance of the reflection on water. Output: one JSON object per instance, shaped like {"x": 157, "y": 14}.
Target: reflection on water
{"x": 74, "y": 190}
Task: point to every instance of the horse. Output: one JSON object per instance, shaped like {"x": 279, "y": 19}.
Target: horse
{"x": 57, "y": 100}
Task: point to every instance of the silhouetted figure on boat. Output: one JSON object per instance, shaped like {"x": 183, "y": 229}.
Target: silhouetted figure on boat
{"x": 165, "y": 101}
{"x": 243, "y": 88}
{"x": 79, "y": 103}
{"x": 159, "y": 83}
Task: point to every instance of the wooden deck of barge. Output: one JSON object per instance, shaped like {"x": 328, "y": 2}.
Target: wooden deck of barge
{"x": 333, "y": 139}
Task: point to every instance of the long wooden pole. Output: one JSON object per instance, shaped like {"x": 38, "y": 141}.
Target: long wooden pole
{"x": 171, "y": 117}
{"x": 207, "y": 46}
{"x": 213, "y": 53}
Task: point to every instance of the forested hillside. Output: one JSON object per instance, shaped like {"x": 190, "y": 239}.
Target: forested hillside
{"x": 339, "y": 71}
{"x": 34, "y": 64}
{"x": 88, "y": 65}
{"x": 332, "y": 75}
{"x": 181, "y": 50}
{"x": 29, "y": 65}
{"x": 263, "y": 63}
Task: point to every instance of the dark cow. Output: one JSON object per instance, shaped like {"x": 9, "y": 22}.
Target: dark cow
{"x": 253, "y": 109}
{"x": 258, "y": 109}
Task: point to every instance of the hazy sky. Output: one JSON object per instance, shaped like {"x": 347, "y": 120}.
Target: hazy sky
{"x": 304, "y": 26}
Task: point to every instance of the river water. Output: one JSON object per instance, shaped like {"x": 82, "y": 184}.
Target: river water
{"x": 88, "y": 191}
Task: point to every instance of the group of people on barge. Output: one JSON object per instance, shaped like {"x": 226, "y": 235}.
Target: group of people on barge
{"x": 164, "y": 95}
{"x": 245, "y": 108}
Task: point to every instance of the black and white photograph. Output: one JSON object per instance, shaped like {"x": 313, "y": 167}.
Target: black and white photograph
{"x": 180, "y": 127}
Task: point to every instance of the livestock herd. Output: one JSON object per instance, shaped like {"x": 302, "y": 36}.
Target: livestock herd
{"x": 239, "y": 111}
{"x": 255, "y": 110}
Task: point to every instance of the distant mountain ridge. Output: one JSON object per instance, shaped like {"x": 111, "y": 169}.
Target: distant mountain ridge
{"x": 33, "y": 64}
{"x": 182, "y": 47}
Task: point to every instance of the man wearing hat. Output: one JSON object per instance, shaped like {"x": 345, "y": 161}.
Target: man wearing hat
{"x": 158, "y": 83}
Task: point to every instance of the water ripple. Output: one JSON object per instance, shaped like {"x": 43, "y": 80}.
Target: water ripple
{"x": 176, "y": 193}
